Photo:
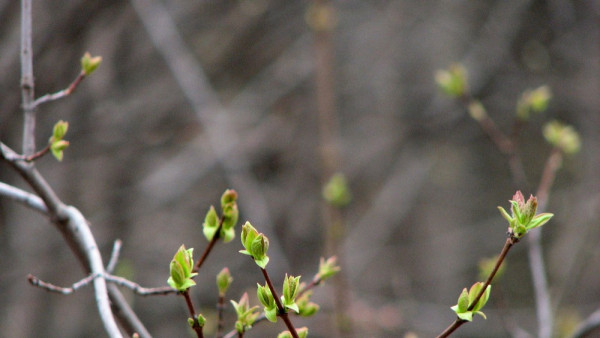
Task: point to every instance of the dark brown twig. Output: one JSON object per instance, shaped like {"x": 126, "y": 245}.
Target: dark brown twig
{"x": 220, "y": 316}
{"x": 282, "y": 312}
{"x": 510, "y": 241}
{"x": 196, "y": 326}
{"x": 210, "y": 246}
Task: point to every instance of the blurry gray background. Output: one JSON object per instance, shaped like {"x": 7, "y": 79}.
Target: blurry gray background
{"x": 151, "y": 152}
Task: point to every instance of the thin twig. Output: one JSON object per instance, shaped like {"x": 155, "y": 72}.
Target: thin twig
{"x": 69, "y": 220}
{"x": 62, "y": 290}
{"x": 32, "y": 157}
{"x": 197, "y": 328}
{"x": 220, "y": 316}
{"x": 26, "y": 198}
{"x": 536, "y": 259}
{"x": 323, "y": 22}
{"x": 282, "y": 312}
{"x": 211, "y": 244}
{"x": 138, "y": 289}
{"x": 591, "y": 323}
{"x": 114, "y": 256}
{"x": 63, "y": 93}
{"x": 27, "y": 83}
{"x": 510, "y": 241}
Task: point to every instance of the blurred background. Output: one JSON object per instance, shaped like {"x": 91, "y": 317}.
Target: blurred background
{"x": 194, "y": 97}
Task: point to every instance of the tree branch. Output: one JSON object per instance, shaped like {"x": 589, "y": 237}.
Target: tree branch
{"x": 27, "y": 84}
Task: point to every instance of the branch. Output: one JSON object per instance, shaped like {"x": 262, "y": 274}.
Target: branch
{"x": 510, "y": 241}
{"x": 587, "y": 326}
{"x": 536, "y": 258}
{"x": 196, "y": 327}
{"x": 114, "y": 256}
{"x": 54, "y": 288}
{"x": 138, "y": 289}
{"x": 75, "y": 231}
{"x": 63, "y": 93}
{"x": 211, "y": 244}
{"x": 27, "y": 84}
{"x": 282, "y": 312}
{"x": 21, "y": 196}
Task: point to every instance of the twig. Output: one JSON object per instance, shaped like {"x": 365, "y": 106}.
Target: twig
{"x": 282, "y": 312}
{"x": 510, "y": 241}
{"x": 69, "y": 220}
{"x": 138, "y": 289}
{"x": 32, "y": 157}
{"x": 211, "y": 244}
{"x": 197, "y": 328}
{"x": 63, "y": 93}
{"x": 114, "y": 256}
{"x": 26, "y": 198}
{"x": 322, "y": 22}
{"x": 220, "y": 316}
{"x": 62, "y": 290}
{"x": 591, "y": 323}
{"x": 125, "y": 315}
{"x": 27, "y": 84}
{"x": 536, "y": 259}
{"x": 315, "y": 282}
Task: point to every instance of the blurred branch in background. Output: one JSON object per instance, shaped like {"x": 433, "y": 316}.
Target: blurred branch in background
{"x": 322, "y": 19}
{"x": 220, "y": 128}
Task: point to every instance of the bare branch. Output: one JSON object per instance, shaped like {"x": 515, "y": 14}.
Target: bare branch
{"x": 54, "y": 288}
{"x": 63, "y": 93}
{"x": 114, "y": 256}
{"x": 28, "y": 199}
{"x": 138, "y": 289}
{"x": 587, "y": 326}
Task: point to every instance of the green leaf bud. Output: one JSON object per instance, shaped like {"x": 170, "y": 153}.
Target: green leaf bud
{"x": 201, "y": 320}
{"x": 477, "y": 111}
{"x": 327, "y": 268}
{"x": 228, "y": 197}
{"x": 181, "y": 270}
{"x": 57, "y": 148}
{"x": 463, "y": 301}
{"x": 302, "y": 332}
{"x": 224, "y": 280}
{"x": 453, "y": 81}
{"x": 59, "y": 131}
{"x": 336, "y": 191}
{"x": 535, "y": 101}
{"x": 271, "y": 314}
{"x": 284, "y": 334}
{"x": 290, "y": 290}
{"x": 89, "y": 64}
{"x": 249, "y": 233}
{"x": 563, "y": 137}
{"x": 211, "y": 223}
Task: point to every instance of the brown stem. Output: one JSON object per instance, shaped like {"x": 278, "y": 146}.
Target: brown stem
{"x": 220, "y": 316}
{"x": 282, "y": 313}
{"x": 63, "y": 93}
{"x": 510, "y": 241}
{"x": 188, "y": 300}
{"x": 553, "y": 163}
{"x": 210, "y": 246}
